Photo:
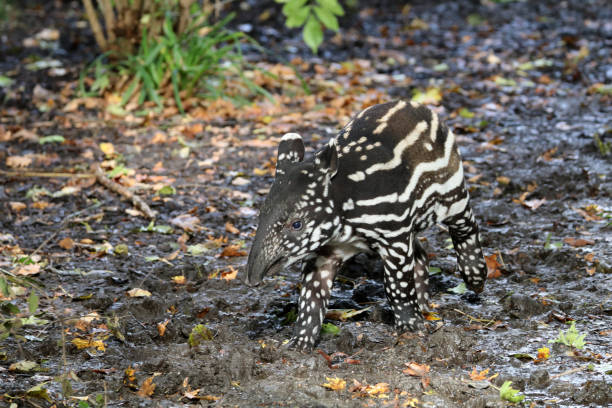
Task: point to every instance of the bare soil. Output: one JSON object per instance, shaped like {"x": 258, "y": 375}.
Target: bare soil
{"x": 540, "y": 183}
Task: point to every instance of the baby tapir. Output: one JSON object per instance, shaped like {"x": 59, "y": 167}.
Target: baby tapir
{"x": 391, "y": 172}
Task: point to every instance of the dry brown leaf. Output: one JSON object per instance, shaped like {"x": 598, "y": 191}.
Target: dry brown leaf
{"x": 18, "y": 161}
{"x": 578, "y": 242}
{"x": 492, "y": 266}
{"x": 229, "y": 275}
{"x": 479, "y": 376}
{"x": 147, "y": 388}
{"x": 503, "y": 180}
{"x": 232, "y": 250}
{"x": 188, "y": 222}
{"x": 229, "y": 227}
{"x": 66, "y": 243}
{"x": 416, "y": 370}
{"x": 534, "y": 204}
{"x": 161, "y": 327}
{"x": 17, "y": 206}
{"x": 137, "y": 292}
{"x": 27, "y": 270}
{"x": 40, "y": 205}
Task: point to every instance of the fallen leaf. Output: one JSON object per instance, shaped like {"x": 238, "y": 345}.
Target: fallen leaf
{"x": 161, "y": 327}
{"x": 137, "y": 292}
{"x": 188, "y": 222}
{"x": 534, "y": 204}
{"x": 229, "y": 275}
{"x": 543, "y": 353}
{"x": 493, "y": 266}
{"x": 147, "y": 388}
{"x": 179, "y": 279}
{"x": 482, "y": 375}
{"x": 108, "y": 149}
{"x": 17, "y": 206}
{"x": 503, "y": 180}
{"x": 88, "y": 343}
{"x": 66, "y": 243}
{"x": 18, "y": 161}
{"x": 229, "y": 227}
{"x": 578, "y": 242}
{"x": 24, "y": 366}
{"x": 232, "y": 250}
{"x": 334, "y": 383}
{"x": 27, "y": 270}
{"x": 431, "y": 316}
{"x": 416, "y": 370}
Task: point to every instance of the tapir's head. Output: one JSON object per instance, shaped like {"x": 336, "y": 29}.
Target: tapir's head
{"x": 299, "y": 215}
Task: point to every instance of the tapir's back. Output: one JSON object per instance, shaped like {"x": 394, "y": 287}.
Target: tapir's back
{"x": 397, "y": 163}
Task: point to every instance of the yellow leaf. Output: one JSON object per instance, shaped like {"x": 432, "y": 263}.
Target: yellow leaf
{"x": 335, "y": 383}
{"x": 17, "y": 206}
{"x": 108, "y": 149}
{"x": 543, "y": 353}
{"x": 89, "y": 343}
{"x": 179, "y": 279}
{"x": 431, "y": 316}
{"x": 137, "y": 292}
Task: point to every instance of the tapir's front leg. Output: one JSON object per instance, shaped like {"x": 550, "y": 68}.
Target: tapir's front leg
{"x": 317, "y": 281}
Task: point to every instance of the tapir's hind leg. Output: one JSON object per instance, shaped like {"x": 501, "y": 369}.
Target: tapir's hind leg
{"x": 464, "y": 233}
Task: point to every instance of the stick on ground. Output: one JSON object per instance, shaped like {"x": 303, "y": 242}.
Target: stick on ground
{"x": 119, "y": 189}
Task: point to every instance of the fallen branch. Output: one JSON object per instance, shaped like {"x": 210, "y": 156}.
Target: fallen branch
{"x": 49, "y": 174}
{"x": 119, "y": 189}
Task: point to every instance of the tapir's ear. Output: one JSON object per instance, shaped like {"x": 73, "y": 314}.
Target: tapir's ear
{"x": 290, "y": 150}
{"x": 327, "y": 159}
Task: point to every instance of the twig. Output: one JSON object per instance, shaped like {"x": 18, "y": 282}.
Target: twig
{"x": 570, "y": 371}
{"x": 95, "y": 24}
{"x": 119, "y": 189}
{"x": 48, "y": 174}
{"x": 488, "y": 321}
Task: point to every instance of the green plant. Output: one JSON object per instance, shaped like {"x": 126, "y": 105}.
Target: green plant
{"x": 571, "y": 337}
{"x": 201, "y": 57}
{"x": 12, "y": 318}
{"x": 311, "y": 15}
{"x": 506, "y": 392}
{"x": 604, "y": 147}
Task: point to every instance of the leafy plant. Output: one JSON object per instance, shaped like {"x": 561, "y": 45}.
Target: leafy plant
{"x": 506, "y": 392}
{"x": 175, "y": 56}
{"x": 311, "y": 15}
{"x": 12, "y": 318}
{"x": 604, "y": 147}
{"x": 571, "y": 337}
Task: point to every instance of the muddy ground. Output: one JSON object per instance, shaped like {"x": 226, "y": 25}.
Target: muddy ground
{"x": 535, "y": 80}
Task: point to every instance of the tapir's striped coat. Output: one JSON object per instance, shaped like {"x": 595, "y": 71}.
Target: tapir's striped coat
{"x": 391, "y": 172}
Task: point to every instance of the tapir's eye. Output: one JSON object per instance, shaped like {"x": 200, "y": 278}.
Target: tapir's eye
{"x": 296, "y": 225}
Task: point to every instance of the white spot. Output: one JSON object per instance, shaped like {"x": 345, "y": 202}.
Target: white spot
{"x": 357, "y": 176}
{"x": 291, "y": 136}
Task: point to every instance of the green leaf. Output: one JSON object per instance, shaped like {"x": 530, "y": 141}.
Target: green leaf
{"x": 162, "y": 229}
{"x": 5, "y": 81}
{"x": 506, "y": 392}
{"x": 333, "y": 6}
{"x": 460, "y": 289}
{"x": 51, "y": 139}
{"x": 298, "y": 18}
{"x": 328, "y": 19}
{"x": 166, "y": 190}
{"x": 24, "y": 366}
{"x": 466, "y": 113}
{"x": 312, "y": 33}
{"x": 38, "y": 392}
{"x": 33, "y": 321}
{"x": 4, "y": 289}
{"x": 434, "y": 270}
{"x": 33, "y": 302}
{"x": 329, "y": 328}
